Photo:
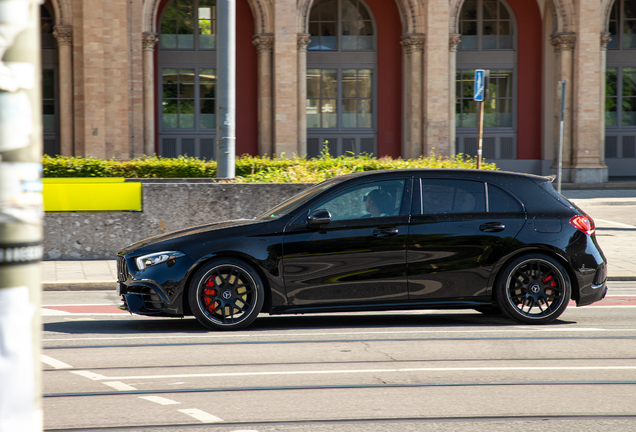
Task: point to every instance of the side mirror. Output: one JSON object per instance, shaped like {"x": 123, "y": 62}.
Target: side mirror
{"x": 319, "y": 217}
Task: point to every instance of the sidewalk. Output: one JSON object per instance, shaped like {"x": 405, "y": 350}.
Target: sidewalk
{"x": 615, "y": 234}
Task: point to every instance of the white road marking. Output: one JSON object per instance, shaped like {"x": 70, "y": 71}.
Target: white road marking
{"x": 362, "y": 333}
{"x": 368, "y": 371}
{"x": 118, "y": 385}
{"x": 608, "y": 222}
{"x": 160, "y": 400}
{"x": 90, "y": 375}
{"x": 202, "y": 416}
{"x": 54, "y": 363}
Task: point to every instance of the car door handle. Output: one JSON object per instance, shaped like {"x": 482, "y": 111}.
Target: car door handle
{"x": 385, "y": 232}
{"x": 492, "y": 227}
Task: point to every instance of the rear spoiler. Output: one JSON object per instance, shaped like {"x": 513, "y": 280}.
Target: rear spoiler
{"x": 551, "y": 177}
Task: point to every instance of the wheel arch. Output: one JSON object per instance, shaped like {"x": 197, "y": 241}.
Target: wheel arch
{"x": 250, "y": 261}
{"x": 550, "y": 251}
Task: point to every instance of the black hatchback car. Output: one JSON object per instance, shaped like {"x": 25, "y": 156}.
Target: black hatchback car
{"x": 383, "y": 240}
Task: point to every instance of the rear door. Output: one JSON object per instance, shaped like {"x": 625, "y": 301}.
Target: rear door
{"x": 455, "y": 239}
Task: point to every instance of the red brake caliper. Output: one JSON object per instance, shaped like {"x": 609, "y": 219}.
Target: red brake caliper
{"x": 551, "y": 281}
{"x": 210, "y": 292}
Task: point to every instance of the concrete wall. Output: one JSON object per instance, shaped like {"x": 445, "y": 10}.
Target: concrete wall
{"x": 168, "y": 205}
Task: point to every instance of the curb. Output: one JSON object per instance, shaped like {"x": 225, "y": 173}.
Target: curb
{"x": 79, "y": 286}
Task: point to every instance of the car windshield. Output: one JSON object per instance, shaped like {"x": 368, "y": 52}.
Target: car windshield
{"x": 296, "y": 201}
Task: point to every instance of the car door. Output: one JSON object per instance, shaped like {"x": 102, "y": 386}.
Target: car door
{"x": 455, "y": 241}
{"x": 356, "y": 258}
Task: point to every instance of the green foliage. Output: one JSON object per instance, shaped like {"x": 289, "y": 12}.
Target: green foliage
{"x": 249, "y": 169}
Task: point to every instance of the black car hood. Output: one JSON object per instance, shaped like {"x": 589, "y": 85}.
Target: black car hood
{"x": 166, "y": 238}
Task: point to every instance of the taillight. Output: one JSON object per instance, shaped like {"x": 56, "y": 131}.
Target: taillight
{"x": 583, "y": 223}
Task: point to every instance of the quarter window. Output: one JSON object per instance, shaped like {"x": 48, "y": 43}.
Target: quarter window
{"x": 501, "y": 202}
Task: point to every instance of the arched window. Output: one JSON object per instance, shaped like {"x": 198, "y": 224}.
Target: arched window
{"x": 620, "y": 89}
{"x": 487, "y": 42}
{"x": 50, "y": 121}
{"x": 187, "y": 78}
{"x": 341, "y": 79}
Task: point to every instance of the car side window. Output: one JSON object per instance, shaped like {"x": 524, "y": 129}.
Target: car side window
{"x": 440, "y": 196}
{"x": 500, "y": 201}
{"x": 376, "y": 199}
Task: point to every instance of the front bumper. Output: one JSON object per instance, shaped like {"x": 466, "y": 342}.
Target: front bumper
{"x": 157, "y": 290}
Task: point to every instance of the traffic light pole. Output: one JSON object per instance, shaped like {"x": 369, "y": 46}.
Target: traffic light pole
{"x": 20, "y": 216}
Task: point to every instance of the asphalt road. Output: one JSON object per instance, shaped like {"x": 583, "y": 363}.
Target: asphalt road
{"x": 408, "y": 371}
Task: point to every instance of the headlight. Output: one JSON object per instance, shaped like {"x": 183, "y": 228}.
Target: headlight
{"x": 149, "y": 260}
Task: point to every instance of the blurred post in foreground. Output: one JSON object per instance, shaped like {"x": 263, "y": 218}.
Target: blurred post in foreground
{"x": 20, "y": 216}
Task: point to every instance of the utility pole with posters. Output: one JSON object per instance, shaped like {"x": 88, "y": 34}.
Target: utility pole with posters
{"x": 480, "y": 94}
{"x": 21, "y": 213}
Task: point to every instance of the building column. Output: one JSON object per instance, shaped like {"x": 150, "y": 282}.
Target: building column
{"x": 563, "y": 44}
{"x": 453, "y": 42}
{"x": 149, "y": 42}
{"x": 435, "y": 80}
{"x": 414, "y": 45}
{"x": 264, "y": 43}
{"x": 587, "y": 165}
{"x": 285, "y": 79}
{"x": 605, "y": 39}
{"x": 64, "y": 36}
{"x": 303, "y": 41}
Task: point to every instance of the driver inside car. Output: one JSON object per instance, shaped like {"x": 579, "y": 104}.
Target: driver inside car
{"x": 378, "y": 203}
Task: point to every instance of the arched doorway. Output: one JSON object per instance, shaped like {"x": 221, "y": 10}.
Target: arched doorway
{"x": 186, "y": 79}
{"x": 493, "y": 39}
{"x": 354, "y": 78}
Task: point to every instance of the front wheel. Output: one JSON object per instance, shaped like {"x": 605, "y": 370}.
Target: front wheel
{"x": 534, "y": 289}
{"x": 226, "y": 294}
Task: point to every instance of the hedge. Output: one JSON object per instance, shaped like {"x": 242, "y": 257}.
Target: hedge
{"x": 249, "y": 169}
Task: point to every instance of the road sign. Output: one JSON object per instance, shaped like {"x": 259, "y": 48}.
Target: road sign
{"x": 481, "y": 85}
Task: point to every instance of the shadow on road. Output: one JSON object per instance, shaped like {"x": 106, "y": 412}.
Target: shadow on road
{"x": 410, "y": 321}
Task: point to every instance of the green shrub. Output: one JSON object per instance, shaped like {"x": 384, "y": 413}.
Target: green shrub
{"x": 249, "y": 169}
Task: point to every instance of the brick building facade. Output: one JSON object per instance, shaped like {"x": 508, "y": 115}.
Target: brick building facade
{"x": 388, "y": 77}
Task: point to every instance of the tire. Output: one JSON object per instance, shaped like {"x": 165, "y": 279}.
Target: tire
{"x": 533, "y": 289}
{"x": 226, "y": 294}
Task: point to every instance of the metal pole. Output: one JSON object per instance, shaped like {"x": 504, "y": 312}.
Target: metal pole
{"x": 480, "y": 132}
{"x": 20, "y": 216}
{"x": 226, "y": 89}
{"x": 562, "y": 96}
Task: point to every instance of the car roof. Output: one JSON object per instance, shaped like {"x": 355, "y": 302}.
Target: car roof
{"x": 451, "y": 173}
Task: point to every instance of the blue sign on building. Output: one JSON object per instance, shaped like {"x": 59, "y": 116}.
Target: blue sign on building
{"x": 480, "y": 85}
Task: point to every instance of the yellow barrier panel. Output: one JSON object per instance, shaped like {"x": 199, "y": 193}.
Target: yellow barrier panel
{"x": 85, "y": 194}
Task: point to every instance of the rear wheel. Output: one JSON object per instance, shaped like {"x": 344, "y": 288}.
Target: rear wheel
{"x": 226, "y": 294}
{"x": 534, "y": 289}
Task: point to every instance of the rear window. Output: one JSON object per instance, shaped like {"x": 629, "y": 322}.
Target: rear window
{"x": 452, "y": 196}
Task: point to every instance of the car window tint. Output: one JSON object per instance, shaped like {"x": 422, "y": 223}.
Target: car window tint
{"x": 500, "y": 201}
{"x": 384, "y": 200}
{"x": 297, "y": 200}
{"x": 452, "y": 196}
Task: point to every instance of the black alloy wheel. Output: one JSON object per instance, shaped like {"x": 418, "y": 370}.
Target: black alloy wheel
{"x": 534, "y": 289}
{"x": 226, "y": 294}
